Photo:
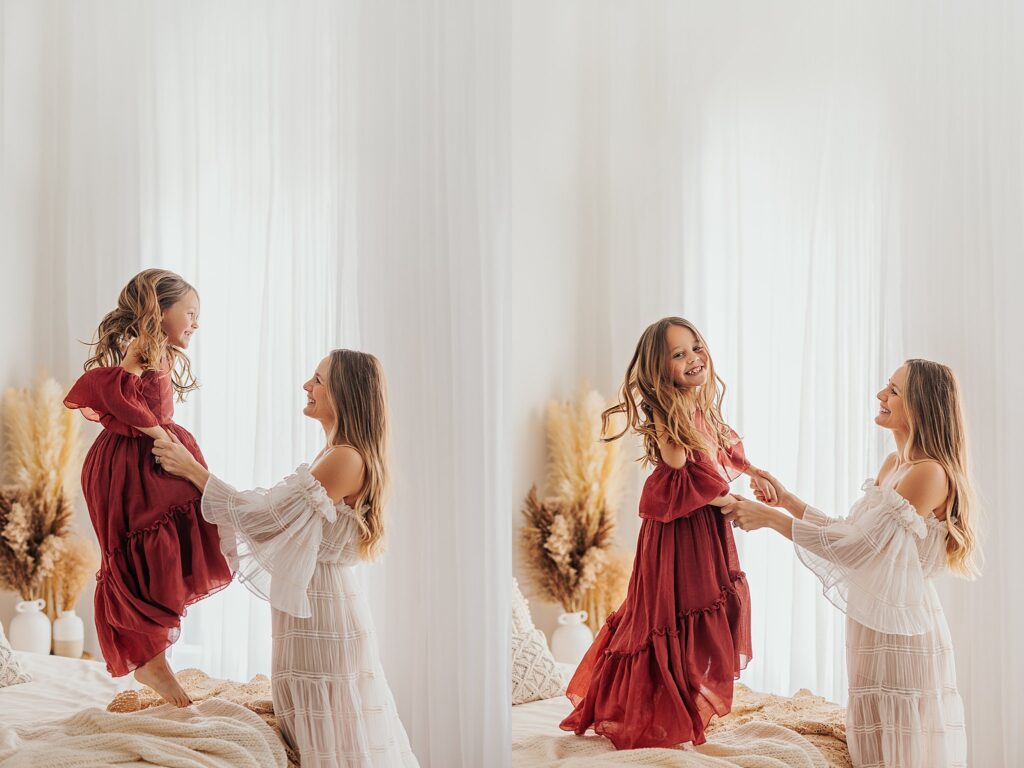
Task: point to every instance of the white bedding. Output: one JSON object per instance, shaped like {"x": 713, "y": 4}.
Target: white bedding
{"x": 60, "y": 718}
{"x": 59, "y": 687}
{"x": 538, "y": 742}
{"x": 539, "y": 718}
{"x": 210, "y": 734}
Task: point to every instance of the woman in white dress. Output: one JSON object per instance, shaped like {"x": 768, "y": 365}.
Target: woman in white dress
{"x": 913, "y": 523}
{"x": 294, "y": 545}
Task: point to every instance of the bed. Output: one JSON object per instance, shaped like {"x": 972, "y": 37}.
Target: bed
{"x": 61, "y": 717}
{"x": 59, "y": 687}
{"x": 763, "y": 730}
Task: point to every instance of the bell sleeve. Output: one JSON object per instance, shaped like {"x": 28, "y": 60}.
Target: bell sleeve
{"x": 271, "y": 537}
{"x": 868, "y": 563}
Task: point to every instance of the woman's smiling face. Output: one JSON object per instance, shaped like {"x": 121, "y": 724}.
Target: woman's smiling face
{"x": 317, "y": 397}
{"x": 892, "y": 412}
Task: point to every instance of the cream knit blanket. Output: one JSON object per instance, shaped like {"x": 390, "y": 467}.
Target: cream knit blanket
{"x": 752, "y": 745}
{"x": 211, "y": 734}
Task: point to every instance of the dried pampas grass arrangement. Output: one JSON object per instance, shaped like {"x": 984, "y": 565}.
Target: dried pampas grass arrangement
{"x": 78, "y": 561}
{"x": 43, "y": 450}
{"x": 568, "y": 537}
{"x": 33, "y": 530}
{"x": 42, "y": 459}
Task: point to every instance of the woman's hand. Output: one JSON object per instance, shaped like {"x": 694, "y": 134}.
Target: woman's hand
{"x": 746, "y": 514}
{"x": 176, "y": 460}
{"x": 751, "y": 515}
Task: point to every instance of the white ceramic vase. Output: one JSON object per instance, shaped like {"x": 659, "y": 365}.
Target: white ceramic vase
{"x": 572, "y": 638}
{"x": 68, "y": 635}
{"x": 30, "y": 627}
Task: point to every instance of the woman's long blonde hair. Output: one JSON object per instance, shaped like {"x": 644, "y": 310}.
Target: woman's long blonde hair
{"x": 358, "y": 400}
{"x": 137, "y": 317}
{"x": 937, "y": 430}
{"x": 648, "y": 389}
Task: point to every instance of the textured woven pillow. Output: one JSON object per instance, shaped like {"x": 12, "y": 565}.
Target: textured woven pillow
{"x": 535, "y": 674}
{"x": 521, "y": 619}
{"x": 10, "y": 671}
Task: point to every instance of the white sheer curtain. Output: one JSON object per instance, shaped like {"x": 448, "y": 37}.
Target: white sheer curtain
{"x": 328, "y": 174}
{"x": 434, "y": 194}
{"x": 814, "y": 185}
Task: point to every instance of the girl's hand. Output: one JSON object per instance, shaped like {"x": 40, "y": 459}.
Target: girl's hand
{"x": 157, "y": 433}
{"x": 763, "y": 480}
{"x": 174, "y": 457}
{"x": 721, "y": 501}
{"x": 763, "y": 490}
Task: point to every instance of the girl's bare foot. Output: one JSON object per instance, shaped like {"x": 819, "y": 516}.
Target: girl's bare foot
{"x": 158, "y": 675}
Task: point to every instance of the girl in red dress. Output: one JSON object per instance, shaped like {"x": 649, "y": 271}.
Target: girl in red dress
{"x": 666, "y": 660}
{"x": 158, "y": 553}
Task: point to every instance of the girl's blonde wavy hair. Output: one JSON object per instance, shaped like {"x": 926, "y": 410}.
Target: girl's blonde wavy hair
{"x": 648, "y": 390}
{"x": 137, "y": 317}
{"x": 938, "y": 430}
{"x": 358, "y": 400}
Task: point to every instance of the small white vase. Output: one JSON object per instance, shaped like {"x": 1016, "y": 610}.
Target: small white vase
{"x": 68, "y": 635}
{"x": 572, "y": 638}
{"x": 30, "y": 627}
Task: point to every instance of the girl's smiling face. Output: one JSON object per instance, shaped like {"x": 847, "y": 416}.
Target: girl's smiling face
{"x": 687, "y": 357}
{"x": 317, "y": 397}
{"x": 892, "y": 412}
{"x": 180, "y": 320}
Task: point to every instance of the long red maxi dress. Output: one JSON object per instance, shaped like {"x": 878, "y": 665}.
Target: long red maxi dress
{"x": 158, "y": 554}
{"x": 666, "y": 660}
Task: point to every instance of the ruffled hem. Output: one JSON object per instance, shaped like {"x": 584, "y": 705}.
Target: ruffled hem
{"x": 342, "y": 722}
{"x": 145, "y": 585}
{"x": 664, "y": 692}
{"x": 865, "y": 607}
{"x": 730, "y": 589}
{"x": 189, "y": 508}
{"x": 906, "y": 728}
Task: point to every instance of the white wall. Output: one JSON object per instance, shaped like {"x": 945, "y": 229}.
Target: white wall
{"x": 557, "y": 321}
{"x": 36, "y": 308}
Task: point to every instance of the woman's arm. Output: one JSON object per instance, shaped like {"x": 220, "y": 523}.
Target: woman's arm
{"x": 752, "y": 515}
{"x": 340, "y": 472}
{"x": 925, "y": 486}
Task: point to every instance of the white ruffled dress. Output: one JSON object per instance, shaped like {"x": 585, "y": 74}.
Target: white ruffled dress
{"x": 877, "y": 566}
{"x": 291, "y": 545}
